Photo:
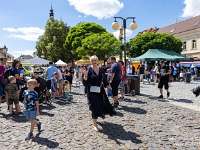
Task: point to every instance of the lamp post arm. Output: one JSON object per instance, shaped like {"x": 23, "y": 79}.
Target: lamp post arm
{"x": 130, "y": 18}
{"x": 119, "y": 18}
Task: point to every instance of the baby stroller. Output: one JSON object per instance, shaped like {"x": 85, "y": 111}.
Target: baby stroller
{"x": 42, "y": 92}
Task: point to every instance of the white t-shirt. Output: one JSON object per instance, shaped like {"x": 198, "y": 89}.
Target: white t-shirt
{"x": 181, "y": 74}
{"x": 60, "y": 74}
{"x": 129, "y": 69}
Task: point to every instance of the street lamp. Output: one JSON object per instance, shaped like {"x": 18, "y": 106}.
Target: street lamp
{"x": 133, "y": 26}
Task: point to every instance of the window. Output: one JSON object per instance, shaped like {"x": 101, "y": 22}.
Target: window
{"x": 172, "y": 30}
{"x": 184, "y": 45}
{"x": 29, "y": 68}
{"x": 194, "y": 44}
{"x": 196, "y": 23}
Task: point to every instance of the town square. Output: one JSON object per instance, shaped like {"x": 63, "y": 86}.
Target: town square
{"x": 100, "y": 75}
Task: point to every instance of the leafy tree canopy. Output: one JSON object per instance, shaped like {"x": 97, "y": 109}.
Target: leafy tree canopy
{"x": 143, "y": 42}
{"x": 99, "y": 44}
{"x": 78, "y": 33}
{"x": 50, "y": 44}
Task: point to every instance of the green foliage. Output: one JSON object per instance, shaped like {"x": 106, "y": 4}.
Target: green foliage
{"x": 143, "y": 42}
{"x": 100, "y": 44}
{"x": 50, "y": 44}
{"x": 77, "y": 34}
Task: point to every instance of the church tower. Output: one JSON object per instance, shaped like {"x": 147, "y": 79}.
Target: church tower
{"x": 51, "y": 12}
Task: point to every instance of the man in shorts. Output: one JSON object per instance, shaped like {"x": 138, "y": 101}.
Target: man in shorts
{"x": 69, "y": 73}
{"x": 141, "y": 72}
{"x": 164, "y": 73}
{"x": 49, "y": 72}
{"x": 123, "y": 77}
{"x": 115, "y": 79}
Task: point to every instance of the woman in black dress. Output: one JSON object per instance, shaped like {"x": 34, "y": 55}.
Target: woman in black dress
{"x": 99, "y": 103}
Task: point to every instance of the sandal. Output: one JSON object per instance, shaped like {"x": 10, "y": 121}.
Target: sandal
{"x": 95, "y": 129}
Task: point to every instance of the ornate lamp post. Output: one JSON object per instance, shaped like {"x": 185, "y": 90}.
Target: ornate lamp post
{"x": 5, "y": 50}
{"x": 133, "y": 26}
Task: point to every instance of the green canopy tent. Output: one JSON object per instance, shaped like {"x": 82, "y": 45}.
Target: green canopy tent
{"x": 159, "y": 54}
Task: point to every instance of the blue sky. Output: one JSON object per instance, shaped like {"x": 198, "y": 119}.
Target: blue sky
{"x": 22, "y": 21}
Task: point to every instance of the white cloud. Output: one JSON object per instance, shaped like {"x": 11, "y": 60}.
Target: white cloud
{"x": 97, "y": 8}
{"x": 128, "y": 33}
{"x": 18, "y": 53}
{"x": 26, "y": 33}
{"x": 79, "y": 16}
{"x": 191, "y": 9}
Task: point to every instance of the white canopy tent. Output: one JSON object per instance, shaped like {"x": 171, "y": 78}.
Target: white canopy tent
{"x": 38, "y": 61}
{"x": 60, "y": 63}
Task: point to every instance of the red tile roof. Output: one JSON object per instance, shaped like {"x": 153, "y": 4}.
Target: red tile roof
{"x": 182, "y": 26}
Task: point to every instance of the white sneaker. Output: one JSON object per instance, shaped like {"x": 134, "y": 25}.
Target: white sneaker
{"x": 95, "y": 128}
{"x": 54, "y": 101}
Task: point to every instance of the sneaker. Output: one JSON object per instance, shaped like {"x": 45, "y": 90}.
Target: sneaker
{"x": 0, "y": 105}
{"x": 54, "y": 101}
{"x": 161, "y": 96}
{"x": 168, "y": 94}
{"x": 20, "y": 114}
{"x": 10, "y": 116}
{"x": 39, "y": 126}
{"x": 29, "y": 136}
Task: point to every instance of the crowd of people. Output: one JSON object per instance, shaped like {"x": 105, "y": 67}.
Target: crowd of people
{"x": 99, "y": 82}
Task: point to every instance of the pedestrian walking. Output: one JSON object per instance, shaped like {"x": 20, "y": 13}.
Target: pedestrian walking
{"x": 164, "y": 72}
{"x": 115, "y": 79}
{"x": 54, "y": 87}
{"x": 31, "y": 109}
{"x": 96, "y": 81}
{"x": 49, "y": 72}
{"x": 11, "y": 90}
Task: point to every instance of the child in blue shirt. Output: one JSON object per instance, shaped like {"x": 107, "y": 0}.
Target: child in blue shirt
{"x": 31, "y": 104}
{"x": 54, "y": 88}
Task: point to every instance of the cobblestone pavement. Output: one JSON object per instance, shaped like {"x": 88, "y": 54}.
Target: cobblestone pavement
{"x": 141, "y": 123}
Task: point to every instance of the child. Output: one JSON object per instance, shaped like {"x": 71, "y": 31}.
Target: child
{"x": 67, "y": 89}
{"x": 11, "y": 90}
{"x": 181, "y": 78}
{"x": 31, "y": 106}
{"x": 54, "y": 88}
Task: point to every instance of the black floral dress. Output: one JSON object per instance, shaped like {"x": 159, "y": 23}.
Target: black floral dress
{"x": 100, "y": 105}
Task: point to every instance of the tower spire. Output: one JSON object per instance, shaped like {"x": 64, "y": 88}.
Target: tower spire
{"x": 51, "y": 11}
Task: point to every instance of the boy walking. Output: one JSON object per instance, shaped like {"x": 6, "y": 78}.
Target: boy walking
{"x": 11, "y": 90}
{"x": 31, "y": 106}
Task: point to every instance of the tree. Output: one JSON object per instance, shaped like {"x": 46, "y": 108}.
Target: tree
{"x": 143, "y": 42}
{"x": 50, "y": 44}
{"x": 77, "y": 34}
{"x": 99, "y": 44}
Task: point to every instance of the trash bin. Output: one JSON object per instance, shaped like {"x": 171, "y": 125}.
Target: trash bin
{"x": 188, "y": 77}
{"x": 135, "y": 84}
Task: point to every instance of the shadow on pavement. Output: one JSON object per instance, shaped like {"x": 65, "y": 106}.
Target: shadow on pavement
{"x": 47, "y": 107}
{"x": 45, "y": 141}
{"x": 135, "y": 110}
{"x": 183, "y": 100}
{"x": 119, "y": 114}
{"x": 116, "y": 132}
{"x": 135, "y": 101}
{"x": 42, "y": 113}
{"x": 16, "y": 118}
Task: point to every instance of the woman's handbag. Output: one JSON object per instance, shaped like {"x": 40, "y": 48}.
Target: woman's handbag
{"x": 95, "y": 89}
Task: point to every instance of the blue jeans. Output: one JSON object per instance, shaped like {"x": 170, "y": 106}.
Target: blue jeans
{"x": 67, "y": 95}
